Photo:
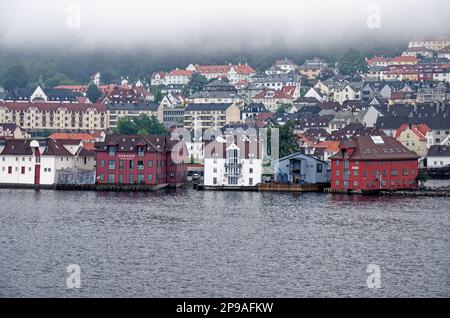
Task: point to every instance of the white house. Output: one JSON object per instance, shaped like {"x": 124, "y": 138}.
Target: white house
{"x": 36, "y": 162}
{"x": 438, "y": 156}
{"x": 314, "y": 93}
{"x": 178, "y": 77}
{"x": 233, "y": 161}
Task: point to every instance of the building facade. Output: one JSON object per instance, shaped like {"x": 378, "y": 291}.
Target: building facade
{"x": 142, "y": 159}
{"x": 54, "y": 116}
{"x": 371, "y": 163}
{"x": 210, "y": 116}
{"x": 233, "y": 161}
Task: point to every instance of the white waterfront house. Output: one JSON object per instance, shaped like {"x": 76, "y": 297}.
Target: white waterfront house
{"x": 233, "y": 161}
{"x": 37, "y": 162}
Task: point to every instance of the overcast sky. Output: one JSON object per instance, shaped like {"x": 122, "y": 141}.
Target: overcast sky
{"x": 215, "y": 24}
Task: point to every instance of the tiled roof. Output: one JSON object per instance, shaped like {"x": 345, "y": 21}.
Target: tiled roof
{"x": 23, "y": 106}
{"x": 368, "y": 148}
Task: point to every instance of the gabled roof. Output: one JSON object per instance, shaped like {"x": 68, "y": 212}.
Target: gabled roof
{"x": 129, "y": 143}
{"x": 420, "y": 131}
{"x": 375, "y": 148}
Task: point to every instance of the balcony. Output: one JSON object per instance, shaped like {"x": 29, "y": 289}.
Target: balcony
{"x": 231, "y": 164}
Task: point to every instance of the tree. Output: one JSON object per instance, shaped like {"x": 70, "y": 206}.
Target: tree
{"x": 93, "y": 93}
{"x": 288, "y": 140}
{"x": 352, "y": 62}
{"x": 59, "y": 79}
{"x": 196, "y": 83}
{"x": 16, "y": 76}
{"x": 141, "y": 125}
{"x": 125, "y": 126}
{"x": 283, "y": 108}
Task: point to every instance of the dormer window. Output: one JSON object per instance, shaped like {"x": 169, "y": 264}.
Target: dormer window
{"x": 111, "y": 150}
{"x": 140, "y": 151}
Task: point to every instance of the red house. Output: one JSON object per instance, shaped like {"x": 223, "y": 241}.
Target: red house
{"x": 138, "y": 159}
{"x": 370, "y": 163}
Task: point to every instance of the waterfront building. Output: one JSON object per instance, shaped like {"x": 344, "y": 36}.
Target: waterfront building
{"x": 438, "y": 157}
{"x": 299, "y": 168}
{"x": 233, "y": 161}
{"x": 368, "y": 163}
{"x": 140, "y": 159}
{"x": 39, "y": 162}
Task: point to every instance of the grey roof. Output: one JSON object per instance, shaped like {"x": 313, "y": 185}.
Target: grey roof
{"x": 439, "y": 151}
{"x": 214, "y": 94}
{"x": 209, "y": 106}
{"x": 255, "y": 108}
{"x": 134, "y": 106}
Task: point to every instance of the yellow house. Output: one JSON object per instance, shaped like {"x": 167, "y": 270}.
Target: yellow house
{"x": 414, "y": 137}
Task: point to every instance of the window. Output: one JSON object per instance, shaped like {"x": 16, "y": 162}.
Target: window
{"x": 214, "y": 180}
{"x": 131, "y": 177}
{"x": 22, "y": 170}
{"x": 150, "y": 177}
{"x": 337, "y": 163}
{"x": 337, "y": 173}
{"x": 150, "y": 163}
{"x": 120, "y": 164}
{"x": 102, "y": 176}
{"x": 215, "y": 170}
{"x": 250, "y": 181}
{"x": 111, "y": 151}
{"x": 336, "y": 182}
{"x": 250, "y": 170}
{"x": 110, "y": 178}
{"x": 394, "y": 173}
{"x": 346, "y": 173}
{"x": 355, "y": 184}
{"x": 355, "y": 173}
{"x": 131, "y": 164}
{"x": 345, "y": 184}
{"x": 121, "y": 178}
{"x": 140, "y": 151}
{"x": 102, "y": 163}
{"x": 346, "y": 164}
{"x": 111, "y": 164}
{"x": 140, "y": 164}
{"x": 319, "y": 168}
{"x": 140, "y": 178}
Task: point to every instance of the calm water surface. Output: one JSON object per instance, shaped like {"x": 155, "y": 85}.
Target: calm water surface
{"x": 186, "y": 243}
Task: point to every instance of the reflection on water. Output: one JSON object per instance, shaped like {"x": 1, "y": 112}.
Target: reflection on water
{"x": 186, "y": 243}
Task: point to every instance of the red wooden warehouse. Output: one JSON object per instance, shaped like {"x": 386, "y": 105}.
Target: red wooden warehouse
{"x": 139, "y": 159}
{"x": 370, "y": 163}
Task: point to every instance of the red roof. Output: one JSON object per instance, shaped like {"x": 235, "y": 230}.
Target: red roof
{"x": 79, "y": 107}
{"x": 272, "y": 94}
{"x": 77, "y": 136}
{"x": 403, "y": 59}
{"x": 180, "y": 73}
{"x": 223, "y": 69}
{"x": 161, "y": 74}
{"x": 419, "y": 130}
{"x": 290, "y": 90}
{"x": 376, "y": 59}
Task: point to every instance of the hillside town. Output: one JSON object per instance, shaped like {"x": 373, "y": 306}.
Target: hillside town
{"x": 380, "y": 128}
